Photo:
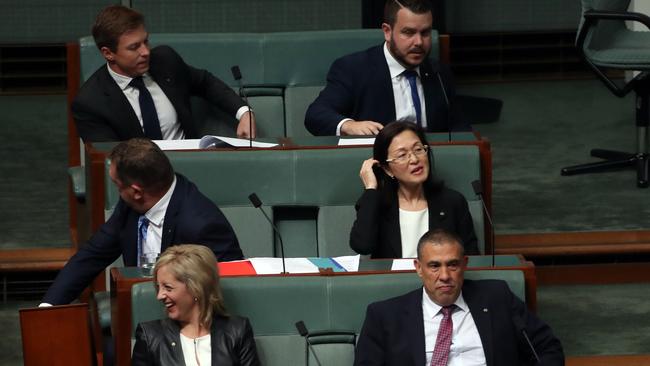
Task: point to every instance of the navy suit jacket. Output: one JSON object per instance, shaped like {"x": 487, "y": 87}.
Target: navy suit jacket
{"x": 102, "y": 112}
{"x": 359, "y": 87}
{"x": 191, "y": 218}
{"x": 393, "y": 332}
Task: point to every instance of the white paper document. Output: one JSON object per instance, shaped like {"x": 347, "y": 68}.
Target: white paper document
{"x": 190, "y": 144}
{"x": 357, "y": 141}
{"x": 209, "y": 141}
{"x": 266, "y": 265}
{"x": 405, "y": 264}
{"x": 349, "y": 262}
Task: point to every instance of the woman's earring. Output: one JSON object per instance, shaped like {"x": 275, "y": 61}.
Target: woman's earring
{"x": 196, "y": 299}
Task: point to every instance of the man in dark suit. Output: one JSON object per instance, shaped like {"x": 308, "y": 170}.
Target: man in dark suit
{"x": 393, "y": 81}
{"x": 452, "y": 321}
{"x": 146, "y": 93}
{"x": 157, "y": 209}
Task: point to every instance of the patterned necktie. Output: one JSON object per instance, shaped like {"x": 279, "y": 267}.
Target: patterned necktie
{"x": 412, "y": 76}
{"x": 150, "y": 121}
{"x": 143, "y": 225}
{"x": 443, "y": 342}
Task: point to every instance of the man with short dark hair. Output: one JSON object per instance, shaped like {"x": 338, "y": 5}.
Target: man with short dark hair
{"x": 393, "y": 81}
{"x": 157, "y": 209}
{"x": 143, "y": 92}
{"x": 452, "y": 321}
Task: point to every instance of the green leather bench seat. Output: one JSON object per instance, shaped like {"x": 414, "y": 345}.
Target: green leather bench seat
{"x": 324, "y": 303}
{"x": 313, "y": 191}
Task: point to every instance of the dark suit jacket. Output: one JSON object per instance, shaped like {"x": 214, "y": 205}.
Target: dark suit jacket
{"x": 102, "y": 112}
{"x": 376, "y": 230}
{"x": 393, "y": 332}
{"x": 359, "y": 87}
{"x": 191, "y": 218}
{"x": 158, "y": 343}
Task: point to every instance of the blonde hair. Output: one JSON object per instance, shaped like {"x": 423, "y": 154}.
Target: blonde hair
{"x": 196, "y": 267}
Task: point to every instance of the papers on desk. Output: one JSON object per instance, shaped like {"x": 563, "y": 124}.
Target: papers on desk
{"x": 209, "y": 141}
{"x": 266, "y": 265}
{"x": 274, "y": 265}
{"x": 405, "y": 264}
{"x": 190, "y": 144}
{"x": 357, "y": 141}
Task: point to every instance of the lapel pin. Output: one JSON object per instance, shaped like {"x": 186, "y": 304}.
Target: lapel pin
{"x": 442, "y": 213}
{"x": 485, "y": 310}
{"x": 173, "y": 344}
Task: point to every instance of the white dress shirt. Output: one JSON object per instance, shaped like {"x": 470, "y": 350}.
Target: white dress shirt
{"x": 156, "y": 217}
{"x": 404, "y": 108}
{"x": 169, "y": 126}
{"x": 466, "y": 346}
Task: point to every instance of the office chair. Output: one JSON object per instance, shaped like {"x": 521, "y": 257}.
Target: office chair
{"x": 607, "y": 44}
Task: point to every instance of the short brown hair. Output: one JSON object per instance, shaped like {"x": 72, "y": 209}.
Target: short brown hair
{"x": 141, "y": 161}
{"x": 416, "y": 6}
{"x": 196, "y": 267}
{"x": 112, "y": 22}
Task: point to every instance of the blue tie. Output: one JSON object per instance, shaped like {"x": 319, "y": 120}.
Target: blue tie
{"x": 411, "y": 76}
{"x": 150, "y": 121}
{"x": 143, "y": 225}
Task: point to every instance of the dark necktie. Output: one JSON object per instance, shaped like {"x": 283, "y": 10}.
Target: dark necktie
{"x": 143, "y": 225}
{"x": 443, "y": 342}
{"x": 150, "y": 120}
{"x": 412, "y": 76}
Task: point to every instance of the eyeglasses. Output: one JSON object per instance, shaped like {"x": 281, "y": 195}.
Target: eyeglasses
{"x": 405, "y": 156}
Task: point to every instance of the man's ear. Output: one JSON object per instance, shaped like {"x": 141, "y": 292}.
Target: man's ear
{"x": 386, "y": 28}
{"x": 107, "y": 53}
{"x": 138, "y": 192}
{"x": 418, "y": 267}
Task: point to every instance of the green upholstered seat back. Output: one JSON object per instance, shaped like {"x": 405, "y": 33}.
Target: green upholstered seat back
{"x": 322, "y": 302}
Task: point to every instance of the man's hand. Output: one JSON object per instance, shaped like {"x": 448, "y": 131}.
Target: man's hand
{"x": 360, "y": 128}
{"x": 246, "y": 127}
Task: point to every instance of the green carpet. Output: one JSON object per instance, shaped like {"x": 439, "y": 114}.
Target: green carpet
{"x": 598, "y": 319}
{"x": 33, "y": 166}
{"x": 545, "y": 126}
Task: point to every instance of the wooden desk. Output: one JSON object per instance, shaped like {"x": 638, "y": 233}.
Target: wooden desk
{"x": 58, "y": 335}
{"x": 122, "y": 279}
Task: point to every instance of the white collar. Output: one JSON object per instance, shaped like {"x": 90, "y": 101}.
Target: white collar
{"x": 156, "y": 214}
{"x": 396, "y": 69}
{"x": 123, "y": 81}
{"x": 431, "y": 309}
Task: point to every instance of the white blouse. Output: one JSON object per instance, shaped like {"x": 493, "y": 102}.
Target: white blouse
{"x": 197, "y": 348}
{"x": 412, "y": 225}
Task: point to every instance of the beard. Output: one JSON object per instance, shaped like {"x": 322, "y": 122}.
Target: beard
{"x": 402, "y": 57}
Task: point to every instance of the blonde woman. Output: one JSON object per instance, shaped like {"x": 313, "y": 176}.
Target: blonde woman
{"x": 197, "y": 330}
